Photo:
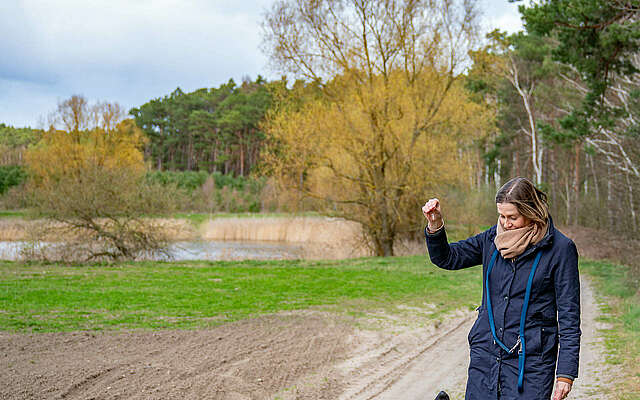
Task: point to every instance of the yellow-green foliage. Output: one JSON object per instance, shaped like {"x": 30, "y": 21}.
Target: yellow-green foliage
{"x": 60, "y": 153}
{"x": 91, "y": 181}
{"x": 375, "y": 151}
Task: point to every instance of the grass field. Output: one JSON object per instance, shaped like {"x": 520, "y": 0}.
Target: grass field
{"x": 13, "y": 214}
{"x": 152, "y": 295}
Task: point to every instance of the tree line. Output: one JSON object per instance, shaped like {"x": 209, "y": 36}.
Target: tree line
{"x": 215, "y": 129}
{"x": 566, "y": 95}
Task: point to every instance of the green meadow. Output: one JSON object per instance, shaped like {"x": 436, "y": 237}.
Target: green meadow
{"x": 155, "y": 295}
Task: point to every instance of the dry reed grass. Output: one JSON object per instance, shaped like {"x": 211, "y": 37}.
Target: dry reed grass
{"x": 282, "y": 229}
{"x": 14, "y": 229}
{"x": 323, "y": 237}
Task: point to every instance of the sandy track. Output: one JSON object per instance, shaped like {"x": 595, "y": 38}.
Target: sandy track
{"x": 442, "y": 366}
{"x": 595, "y": 375}
{"x": 442, "y": 363}
{"x": 437, "y": 363}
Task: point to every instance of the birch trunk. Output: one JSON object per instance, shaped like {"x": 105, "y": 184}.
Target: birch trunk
{"x": 526, "y": 95}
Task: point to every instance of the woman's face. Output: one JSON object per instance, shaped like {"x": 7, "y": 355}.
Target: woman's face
{"x": 510, "y": 217}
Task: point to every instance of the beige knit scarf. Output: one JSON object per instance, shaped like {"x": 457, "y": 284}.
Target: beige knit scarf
{"x": 512, "y": 243}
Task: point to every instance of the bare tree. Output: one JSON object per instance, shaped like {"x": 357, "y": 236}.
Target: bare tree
{"x": 320, "y": 39}
{"x": 91, "y": 184}
{"x": 387, "y": 69}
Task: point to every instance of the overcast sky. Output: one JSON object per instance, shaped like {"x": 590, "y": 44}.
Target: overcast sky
{"x": 131, "y": 51}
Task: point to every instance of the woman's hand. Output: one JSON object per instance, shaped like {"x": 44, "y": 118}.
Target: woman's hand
{"x": 562, "y": 390}
{"x": 431, "y": 211}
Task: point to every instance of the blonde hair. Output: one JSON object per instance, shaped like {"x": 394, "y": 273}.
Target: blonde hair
{"x": 529, "y": 200}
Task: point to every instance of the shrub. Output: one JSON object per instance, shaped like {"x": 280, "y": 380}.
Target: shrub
{"x": 91, "y": 184}
{"x": 11, "y": 175}
{"x": 215, "y": 192}
{"x": 186, "y": 180}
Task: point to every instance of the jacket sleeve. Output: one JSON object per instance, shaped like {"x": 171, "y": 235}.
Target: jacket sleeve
{"x": 567, "y": 287}
{"x": 463, "y": 254}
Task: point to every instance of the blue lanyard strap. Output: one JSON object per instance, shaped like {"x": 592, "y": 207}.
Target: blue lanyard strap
{"x": 523, "y": 315}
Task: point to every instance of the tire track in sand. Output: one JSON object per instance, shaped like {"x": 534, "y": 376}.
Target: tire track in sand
{"x": 442, "y": 364}
{"x": 415, "y": 375}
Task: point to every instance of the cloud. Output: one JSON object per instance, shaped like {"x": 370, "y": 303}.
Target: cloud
{"x": 129, "y": 51}
{"x": 21, "y": 47}
{"x": 19, "y": 100}
{"x": 501, "y": 14}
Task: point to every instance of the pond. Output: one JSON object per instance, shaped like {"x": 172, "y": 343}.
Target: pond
{"x": 202, "y": 250}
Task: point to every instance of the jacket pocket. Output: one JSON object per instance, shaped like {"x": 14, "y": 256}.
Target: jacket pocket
{"x": 543, "y": 334}
{"x": 475, "y": 329}
{"x": 533, "y": 340}
{"x": 549, "y": 337}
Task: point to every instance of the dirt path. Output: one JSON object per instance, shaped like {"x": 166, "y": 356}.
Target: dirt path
{"x": 414, "y": 364}
{"x": 595, "y": 375}
{"x": 442, "y": 363}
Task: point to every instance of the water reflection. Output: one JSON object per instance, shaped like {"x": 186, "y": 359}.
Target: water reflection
{"x": 199, "y": 250}
{"x": 236, "y": 250}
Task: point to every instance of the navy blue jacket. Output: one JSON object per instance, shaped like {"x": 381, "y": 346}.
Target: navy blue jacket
{"x": 552, "y": 328}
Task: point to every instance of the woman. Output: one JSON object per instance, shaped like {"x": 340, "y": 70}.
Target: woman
{"x": 528, "y": 328}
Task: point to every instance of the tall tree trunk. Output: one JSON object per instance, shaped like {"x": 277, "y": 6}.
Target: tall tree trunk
{"x": 226, "y": 162}
{"x": 387, "y": 248}
{"x": 241, "y": 160}
{"x": 190, "y": 156}
{"x": 576, "y": 184}
{"x": 609, "y": 196}
{"x": 536, "y": 148}
{"x": 212, "y": 164}
{"x": 384, "y": 246}
{"x": 526, "y": 95}
{"x": 567, "y": 199}
{"x": 596, "y": 188}
{"x": 241, "y": 148}
{"x": 632, "y": 208}
{"x": 486, "y": 176}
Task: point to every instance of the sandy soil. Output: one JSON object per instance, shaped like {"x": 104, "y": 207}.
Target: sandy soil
{"x": 252, "y": 359}
{"x": 444, "y": 362}
{"x": 414, "y": 364}
{"x": 303, "y": 355}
